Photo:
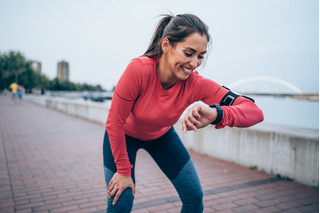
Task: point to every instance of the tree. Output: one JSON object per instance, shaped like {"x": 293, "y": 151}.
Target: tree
{"x": 15, "y": 68}
{"x": 11, "y": 66}
{"x": 29, "y": 78}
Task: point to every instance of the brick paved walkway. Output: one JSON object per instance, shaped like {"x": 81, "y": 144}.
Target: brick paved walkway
{"x": 52, "y": 162}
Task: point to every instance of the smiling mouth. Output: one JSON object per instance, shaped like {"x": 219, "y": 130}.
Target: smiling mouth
{"x": 188, "y": 71}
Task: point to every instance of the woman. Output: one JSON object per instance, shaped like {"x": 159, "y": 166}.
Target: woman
{"x": 150, "y": 97}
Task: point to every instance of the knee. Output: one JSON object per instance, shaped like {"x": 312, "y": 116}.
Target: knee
{"x": 197, "y": 198}
{"x": 124, "y": 203}
{"x": 193, "y": 202}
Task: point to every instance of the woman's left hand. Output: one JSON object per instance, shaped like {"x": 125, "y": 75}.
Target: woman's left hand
{"x": 198, "y": 116}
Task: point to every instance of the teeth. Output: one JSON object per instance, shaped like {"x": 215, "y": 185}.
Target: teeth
{"x": 185, "y": 69}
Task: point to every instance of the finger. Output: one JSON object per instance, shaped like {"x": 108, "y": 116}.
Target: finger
{"x": 196, "y": 114}
{"x": 190, "y": 125}
{"x": 184, "y": 127}
{"x": 110, "y": 186}
{"x": 109, "y": 191}
{"x": 112, "y": 192}
{"x": 195, "y": 111}
{"x": 193, "y": 120}
{"x": 192, "y": 117}
{"x": 116, "y": 197}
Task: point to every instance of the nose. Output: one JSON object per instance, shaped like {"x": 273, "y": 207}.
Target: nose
{"x": 195, "y": 62}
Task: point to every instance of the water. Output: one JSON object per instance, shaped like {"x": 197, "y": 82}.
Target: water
{"x": 289, "y": 111}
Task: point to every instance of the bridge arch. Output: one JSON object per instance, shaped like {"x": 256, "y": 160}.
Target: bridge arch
{"x": 244, "y": 81}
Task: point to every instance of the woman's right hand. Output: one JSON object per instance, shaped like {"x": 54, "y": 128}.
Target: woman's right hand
{"x": 118, "y": 184}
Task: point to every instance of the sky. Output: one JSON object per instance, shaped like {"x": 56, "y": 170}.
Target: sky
{"x": 98, "y": 38}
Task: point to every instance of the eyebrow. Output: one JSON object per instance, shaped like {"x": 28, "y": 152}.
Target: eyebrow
{"x": 193, "y": 50}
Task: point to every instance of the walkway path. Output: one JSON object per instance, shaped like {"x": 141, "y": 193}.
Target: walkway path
{"x": 52, "y": 162}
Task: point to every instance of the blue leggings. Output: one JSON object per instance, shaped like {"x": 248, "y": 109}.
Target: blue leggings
{"x": 173, "y": 159}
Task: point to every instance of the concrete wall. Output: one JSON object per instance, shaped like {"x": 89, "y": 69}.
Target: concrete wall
{"x": 97, "y": 112}
{"x": 288, "y": 151}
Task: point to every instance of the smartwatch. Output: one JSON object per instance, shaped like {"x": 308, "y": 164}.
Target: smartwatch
{"x": 219, "y": 115}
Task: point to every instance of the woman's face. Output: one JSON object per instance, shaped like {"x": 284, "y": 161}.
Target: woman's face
{"x": 186, "y": 56}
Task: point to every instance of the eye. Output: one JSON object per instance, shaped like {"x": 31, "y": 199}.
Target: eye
{"x": 200, "y": 56}
{"x": 188, "y": 54}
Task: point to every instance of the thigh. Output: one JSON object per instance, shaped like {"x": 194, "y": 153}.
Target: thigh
{"x": 124, "y": 203}
{"x": 174, "y": 160}
{"x": 169, "y": 153}
{"x": 132, "y": 145}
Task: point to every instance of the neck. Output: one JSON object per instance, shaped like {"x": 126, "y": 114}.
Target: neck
{"x": 167, "y": 79}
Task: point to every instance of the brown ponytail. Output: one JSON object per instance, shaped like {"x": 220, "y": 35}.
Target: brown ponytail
{"x": 176, "y": 29}
{"x": 154, "y": 46}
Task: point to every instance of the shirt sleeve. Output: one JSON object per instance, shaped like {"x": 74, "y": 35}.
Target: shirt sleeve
{"x": 243, "y": 112}
{"x": 125, "y": 94}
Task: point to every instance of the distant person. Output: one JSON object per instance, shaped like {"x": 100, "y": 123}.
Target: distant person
{"x": 20, "y": 92}
{"x": 151, "y": 95}
{"x": 14, "y": 88}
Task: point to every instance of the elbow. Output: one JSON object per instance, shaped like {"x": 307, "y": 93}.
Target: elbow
{"x": 110, "y": 124}
{"x": 255, "y": 118}
{"x": 256, "y": 114}
{"x": 260, "y": 116}
{"x": 107, "y": 124}
{"x": 114, "y": 123}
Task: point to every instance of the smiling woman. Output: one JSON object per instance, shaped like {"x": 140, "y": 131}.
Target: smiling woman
{"x": 179, "y": 61}
{"x": 152, "y": 93}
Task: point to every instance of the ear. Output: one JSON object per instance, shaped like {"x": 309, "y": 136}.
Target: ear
{"x": 165, "y": 45}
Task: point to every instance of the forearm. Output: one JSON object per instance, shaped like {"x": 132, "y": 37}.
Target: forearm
{"x": 243, "y": 113}
{"x": 119, "y": 149}
{"x": 118, "y": 113}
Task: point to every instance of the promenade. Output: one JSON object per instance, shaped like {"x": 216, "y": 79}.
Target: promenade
{"x": 52, "y": 162}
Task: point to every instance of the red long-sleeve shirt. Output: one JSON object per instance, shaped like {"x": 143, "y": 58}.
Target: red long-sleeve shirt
{"x": 141, "y": 108}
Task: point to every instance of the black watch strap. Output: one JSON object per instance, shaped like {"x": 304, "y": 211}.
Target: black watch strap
{"x": 220, "y": 113}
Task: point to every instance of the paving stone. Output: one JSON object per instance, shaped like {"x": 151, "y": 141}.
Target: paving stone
{"x": 52, "y": 162}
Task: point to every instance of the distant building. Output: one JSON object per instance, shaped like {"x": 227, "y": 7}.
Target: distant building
{"x": 36, "y": 66}
{"x": 63, "y": 71}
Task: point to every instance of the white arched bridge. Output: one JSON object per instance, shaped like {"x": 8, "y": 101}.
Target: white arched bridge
{"x": 257, "y": 87}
